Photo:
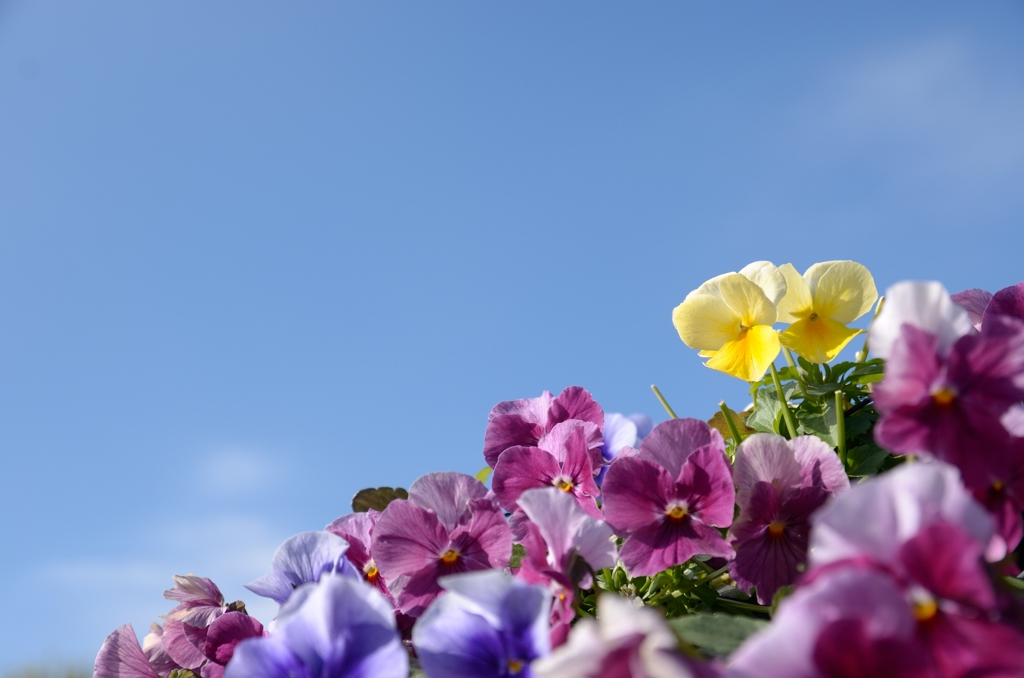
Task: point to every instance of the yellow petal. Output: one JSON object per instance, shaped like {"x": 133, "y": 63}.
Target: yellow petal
{"x": 705, "y": 322}
{"x": 747, "y": 300}
{"x": 748, "y": 355}
{"x": 797, "y": 303}
{"x": 707, "y": 354}
{"x": 819, "y": 339}
{"x": 765, "y": 275}
{"x": 845, "y": 292}
{"x": 710, "y": 287}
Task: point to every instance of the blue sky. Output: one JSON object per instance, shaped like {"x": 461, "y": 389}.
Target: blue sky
{"x": 254, "y": 257}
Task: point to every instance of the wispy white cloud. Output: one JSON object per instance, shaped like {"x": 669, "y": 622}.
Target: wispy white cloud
{"x": 237, "y": 469}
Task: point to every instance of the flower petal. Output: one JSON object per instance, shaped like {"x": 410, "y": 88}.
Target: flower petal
{"x": 706, "y": 484}
{"x": 748, "y": 301}
{"x": 819, "y": 339}
{"x": 798, "y": 302}
{"x": 673, "y": 441}
{"x": 636, "y": 492}
{"x": 659, "y": 546}
{"x": 819, "y": 464}
{"x": 522, "y": 468}
{"x": 748, "y": 356}
{"x": 925, "y": 305}
{"x": 770, "y": 279}
{"x": 764, "y": 457}
{"x": 120, "y": 656}
{"x": 844, "y": 292}
{"x": 705, "y": 322}
{"x": 975, "y": 302}
{"x": 446, "y": 493}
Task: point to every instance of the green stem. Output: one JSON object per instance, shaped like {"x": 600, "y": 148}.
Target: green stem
{"x": 731, "y": 422}
{"x": 862, "y": 354}
{"x": 792, "y": 365}
{"x": 744, "y": 606}
{"x": 606, "y": 577}
{"x": 786, "y": 414}
{"x": 664, "y": 403}
{"x": 841, "y": 426}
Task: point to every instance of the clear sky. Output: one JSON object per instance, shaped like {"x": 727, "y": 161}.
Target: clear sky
{"x": 256, "y": 256}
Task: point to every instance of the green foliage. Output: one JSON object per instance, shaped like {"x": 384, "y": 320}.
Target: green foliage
{"x": 376, "y": 498}
{"x": 49, "y": 672}
{"x": 518, "y": 553}
{"x": 715, "y": 633}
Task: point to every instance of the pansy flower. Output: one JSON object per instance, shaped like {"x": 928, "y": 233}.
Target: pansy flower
{"x": 303, "y": 559}
{"x": 729, "y": 320}
{"x": 980, "y": 304}
{"x": 820, "y": 304}
{"x": 669, "y": 498}
{"x": 526, "y": 422}
{"x": 448, "y": 525}
{"x": 779, "y": 483}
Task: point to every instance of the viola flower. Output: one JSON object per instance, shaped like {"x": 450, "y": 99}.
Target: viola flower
{"x": 338, "y": 627}
{"x": 563, "y": 546}
{"x": 924, "y": 305}
{"x": 980, "y": 304}
{"x": 121, "y": 657}
{"x": 950, "y": 405}
{"x": 668, "y": 498}
{"x": 562, "y": 461}
{"x": 624, "y": 642}
{"x": 1004, "y": 500}
{"x": 729, "y": 319}
{"x": 852, "y": 624}
{"x": 223, "y": 635}
{"x": 357, "y": 530}
{"x": 779, "y": 483}
{"x": 448, "y": 525}
{"x": 821, "y": 303}
{"x": 621, "y": 432}
{"x": 303, "y": 559}
{"x": 183, "y": 636}
{"x": 487, "y": 625}
{"x": 526, "y": 422}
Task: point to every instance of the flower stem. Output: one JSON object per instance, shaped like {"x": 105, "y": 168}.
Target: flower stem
{"x": 796, "y": 371}
{"x": 744, "y": 606}
{"x": 862, "y": 354}
{"x": 731, "y": 422}
{"x": 786, "y": 414}
{"x": 664, "y": 403}
{"x": 841, "y": 427}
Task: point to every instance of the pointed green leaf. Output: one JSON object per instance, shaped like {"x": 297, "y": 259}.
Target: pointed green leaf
{"x": 715, "y": 632}
{"x": 483, "y": 474}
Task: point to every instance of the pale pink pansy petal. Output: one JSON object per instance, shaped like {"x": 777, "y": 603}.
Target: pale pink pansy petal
{"x": 974, "y": 301}
{"x": 673, "y": 441}
{"x": 406, "y": 539}
{"x": 819, "y": 464}
{"x": 763, "y": 457}
{"x": 446, "y": 493}
{"x": 925, "y": 305}
{"x": 120, "y": 656}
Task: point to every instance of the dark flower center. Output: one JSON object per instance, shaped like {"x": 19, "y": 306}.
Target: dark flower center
{"x": 944, "y": 397}
{"x": 776, "y": 528}
{"x": 449, "y": 557}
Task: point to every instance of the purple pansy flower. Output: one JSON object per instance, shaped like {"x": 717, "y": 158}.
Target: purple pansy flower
{"x": 200, "y": 602}
{"x": 357, "y": 530}
{"x": 779, "y": 483}
{"x": 303, "y": 559}
{"x": 624, "y": 642}
{"x": 621, "y": 432}
{"x": 563, "y": 547}
{"x": 156, "y": 652}
{"x": 222, "y": 636}
{"x": 120, "y": 656}
{"x": 487, "y": 625}
{"x": 854, "y": 624}
{"x": 447, "y": 526}
{"x": 668, "y": 498}
{"x": 526, "y": 422}
{"x": 562, "y": 460}
{"x": 980, "y": 304}
{"x": 337, "y": 628}
{"x": 950, "y": 405}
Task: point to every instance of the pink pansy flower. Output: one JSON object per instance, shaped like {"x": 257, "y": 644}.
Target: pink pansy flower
{"x": 779, "y": 483}
{"x": 564, "y": 546}
{"x": 668, "y": 498}
{"x": 562, "y": 461}
{"x": 526, "y": 422}
{"x": 200, "y": 602}
{"x": 447, "y": 526}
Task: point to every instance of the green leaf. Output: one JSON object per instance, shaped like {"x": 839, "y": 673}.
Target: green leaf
{"x": 1014, "y": 583}
{"x": 483, "y": 474}
{"x": 819, "y": 390}
{"x": 376, "y": 498}
{"x": 870, "y": 378}
{"x": 865, "y": 460}
{"x": 821, "y": 424}
{"x": 859, "y": 423}
{"x": 518, "y": 553}
{"x": 715, "y": 632}
{"x": 768, "y": 412}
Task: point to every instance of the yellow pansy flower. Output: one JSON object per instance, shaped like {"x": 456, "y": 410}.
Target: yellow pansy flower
{"x": 729, "y": 320}
{"x": 821, "y": 303}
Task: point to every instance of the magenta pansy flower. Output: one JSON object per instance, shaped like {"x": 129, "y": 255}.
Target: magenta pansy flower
{"x": 562, "y": 460}
{"x": 980, "y": 304}
{"x": 357, "y": 530}
{"x": 447, "y": 526}
{"x": 779, "y": 483}
{"x": 200, "y": 602}
{"x": 668, "y": 498}
{"x": 950, "y": 405}
{"x": 222, "y": 636}
{"x": 526, "y": 422}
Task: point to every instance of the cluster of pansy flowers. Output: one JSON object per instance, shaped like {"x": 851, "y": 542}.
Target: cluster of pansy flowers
{"x": 607, "y": 546}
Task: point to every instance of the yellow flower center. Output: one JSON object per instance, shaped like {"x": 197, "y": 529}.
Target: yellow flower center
{"x": 564, "y": 485}
{"x": 944, "y": 396}
{"x": 776, "y": 528}
{"x": 997, "y": 486}
{"x": 370, "y": 572}
{"x": 813, "y": 316}
{"x": 676, "y": 512}
{"x": 514, "y": 666}
{"x": 925, "y": 610}
{"x": 449, "y": 557}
